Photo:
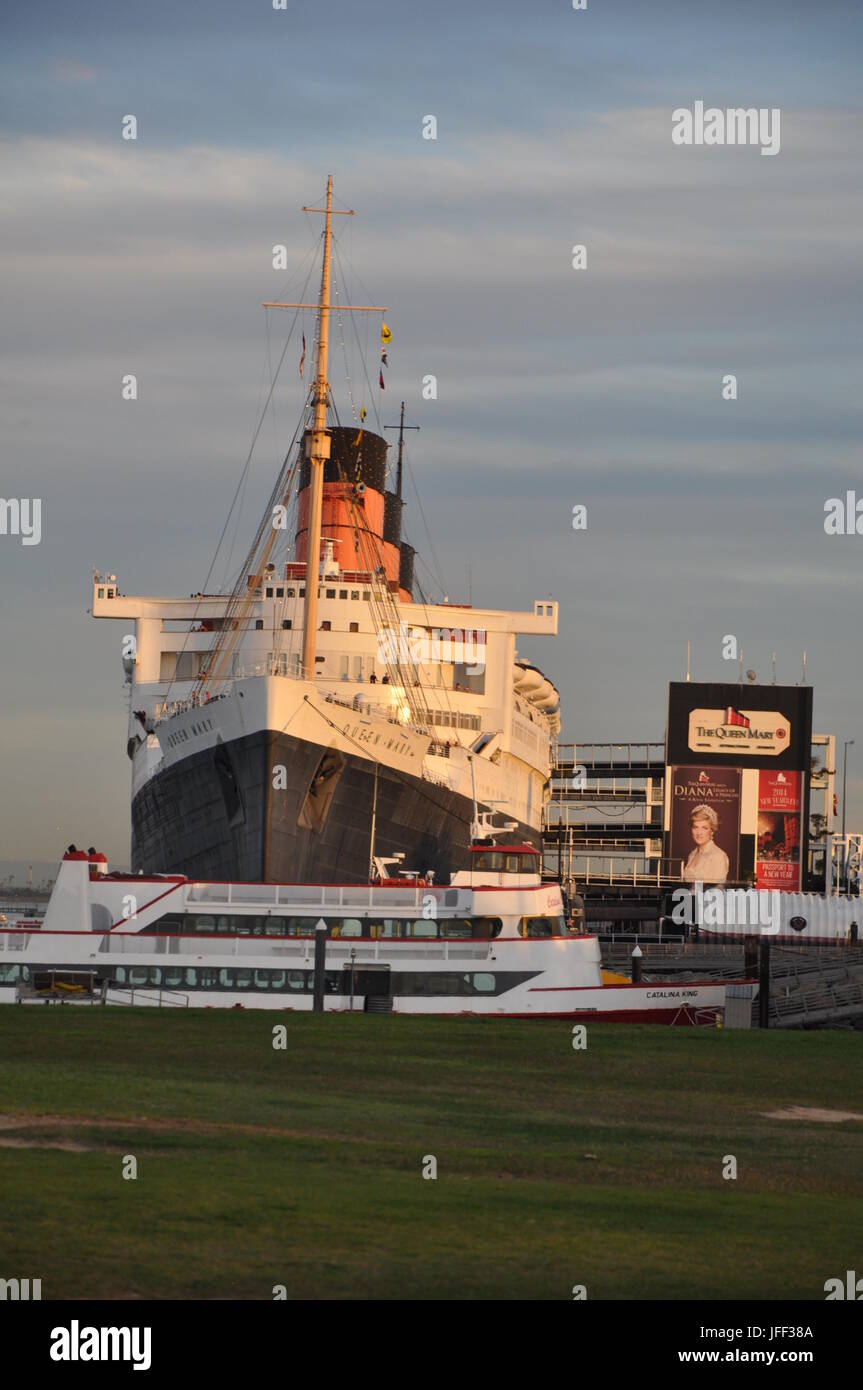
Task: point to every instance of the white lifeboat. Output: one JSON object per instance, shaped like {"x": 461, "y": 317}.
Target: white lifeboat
{"x": 527, "y": 679}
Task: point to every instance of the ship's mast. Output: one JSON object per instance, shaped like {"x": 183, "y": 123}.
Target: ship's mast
{"x": 318, "y": 443}
{"x": 318, "y": 449}
{"x": 401, "y": 427}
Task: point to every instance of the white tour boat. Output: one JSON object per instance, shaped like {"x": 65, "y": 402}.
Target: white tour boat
{"x": 492, "y": 942}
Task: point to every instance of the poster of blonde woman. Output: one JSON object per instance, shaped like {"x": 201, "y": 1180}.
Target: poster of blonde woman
{"x": 705, "y": 824}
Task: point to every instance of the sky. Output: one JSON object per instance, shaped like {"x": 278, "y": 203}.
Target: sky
{"x": 557, "y": 387}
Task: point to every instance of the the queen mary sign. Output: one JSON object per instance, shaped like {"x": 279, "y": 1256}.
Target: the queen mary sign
{"x": 736, "y": 729}
{"x": 718, "y": 735}
{"x": 739, "y": 725}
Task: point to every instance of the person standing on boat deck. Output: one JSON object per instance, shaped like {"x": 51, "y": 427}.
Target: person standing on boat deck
{"x": 707, "y": 863}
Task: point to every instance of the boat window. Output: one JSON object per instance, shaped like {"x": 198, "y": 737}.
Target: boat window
{"x": 280, "y": 593}
{"x": 191, "y": 978}
{"x": 542, "y": 926}
{"x": 169, "y": 925}
{"x": 458, "y": 928}
{"x": 278, "y": 977}
{"x": 9, "y": 974}
{"x": 262, "y": 979}
{"x": 391, "y": 927}
{"x": 138, "y": 975}
{"x": 173, "y": 978}
{"x": 296, "y": 926}
{"x": 209, "y": 978}
{"x": 424, "y": 927}
{"x": 296, "y": 979}
{"x": 484, "y": 983}
{"x": 244, "y": 979}
{"x": 355, "y": 627}
{"x": 269, "y": 593}
{"x": 226, "y": 978}
{"x": 292, "y": 593}
{"x": 101, "y": 593}
{"x": 350, "y": 926}
{"x": 331, "y": 593}
{"x": 355, "y": 593}
{"x": 120, "y": 974}
{"x": 471, "y": 675}
{"x": 343, "y": 593}
{"x": 100, "y": 917}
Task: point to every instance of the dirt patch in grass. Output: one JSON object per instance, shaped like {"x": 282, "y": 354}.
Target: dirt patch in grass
{"x": 157, "y": 1126}
{"x": 809, "y": 1112}
{"x": 68, "y": 1145}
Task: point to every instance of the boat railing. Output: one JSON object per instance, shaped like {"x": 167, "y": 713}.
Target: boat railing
{"x": 359, "y": 703}
{"x": 162, "y": 998}
{"x": 322, "y": 897}
{"x": 177, "y": 953}
{"x": 14, "y": 941}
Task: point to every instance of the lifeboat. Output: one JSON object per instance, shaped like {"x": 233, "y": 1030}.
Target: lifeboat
{"x": 532, "y": 685}
{"x": 526, "y": 678}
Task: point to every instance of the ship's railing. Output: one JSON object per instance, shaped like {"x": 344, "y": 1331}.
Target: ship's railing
{"x": 180, "y": 953}
{"x": 161, "y": 998}
{"x": 322, "y": 897}
{"x": 452, "y": 719}
{"x": 382, "y": 709}
{"x": 166, "y": 709}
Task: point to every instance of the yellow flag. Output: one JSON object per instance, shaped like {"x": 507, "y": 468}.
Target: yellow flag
{"x": 362, "y": 418}
{"x": 386, "y": 335}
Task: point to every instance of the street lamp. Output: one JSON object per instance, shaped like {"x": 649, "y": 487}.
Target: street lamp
{"x": 848, "y": 744}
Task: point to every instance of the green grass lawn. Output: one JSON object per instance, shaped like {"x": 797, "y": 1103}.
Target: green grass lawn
{"x": 303, "y": 1167}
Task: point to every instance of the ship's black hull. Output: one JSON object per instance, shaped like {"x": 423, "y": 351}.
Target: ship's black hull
{"x": 218, "y": 815}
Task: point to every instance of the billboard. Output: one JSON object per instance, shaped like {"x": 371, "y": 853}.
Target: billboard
{"x": 780, "y": 805}
{"x": 705, "y": 823}
{"x": 745, "y": 725}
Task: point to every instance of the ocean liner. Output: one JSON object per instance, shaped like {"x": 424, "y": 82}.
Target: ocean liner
{"x": 324, "y": 714}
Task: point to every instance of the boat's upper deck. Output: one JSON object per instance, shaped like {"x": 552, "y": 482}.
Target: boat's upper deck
{"x": 86, "y": 898}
